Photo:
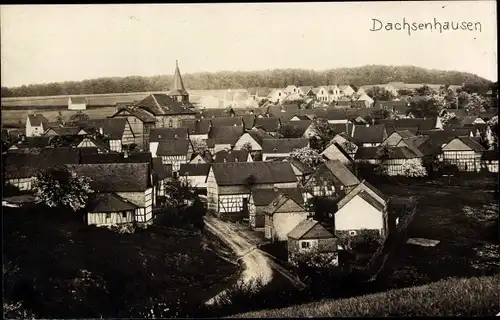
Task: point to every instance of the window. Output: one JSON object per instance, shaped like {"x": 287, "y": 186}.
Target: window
{"x": 280, "y": 94}
{"x": 305, "y": 245}
{"x": 124, "y": 214}
{"x": 170, "y": 123}
{"x": 108, "y": 215}
{"x": 235, "y": 159}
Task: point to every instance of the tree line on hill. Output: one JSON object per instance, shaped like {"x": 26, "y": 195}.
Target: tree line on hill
{"x": 278, "y": 78}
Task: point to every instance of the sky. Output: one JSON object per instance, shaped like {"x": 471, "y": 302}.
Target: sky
{"x": 50, "y": 43}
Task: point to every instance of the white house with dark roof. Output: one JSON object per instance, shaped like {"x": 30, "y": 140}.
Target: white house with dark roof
{"x": 172, "y": 151}
{"x": 77, "y": 103}
{"x": 363, "y": 208}
{"x": 109, "y": 209}
{"x": 277, "y": 95}
{"x": 136, "y": 188}
{"x": 229, "y": 184}
{"x": 464, "y": 152}
{"x": 195, "y": 175}
{"x": 253, "y": 138}
{"x": 36, "y": 124}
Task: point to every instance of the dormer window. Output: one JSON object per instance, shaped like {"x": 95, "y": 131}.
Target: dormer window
{"x": 225, "y": 160}
{"x": 170, "y": 123}
{"x": 235, "y": 159}
{"x": 159, "y": 136}
{"x": 176, "y": 136}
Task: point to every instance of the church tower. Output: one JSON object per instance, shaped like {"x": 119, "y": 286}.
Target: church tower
{"x": 178, "y": 92}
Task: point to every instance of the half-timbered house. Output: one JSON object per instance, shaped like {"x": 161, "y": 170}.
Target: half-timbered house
{"x": 464, "y": 152}
{"x": 117, "y": 131}
{"x": 174, "y": 152}
{"x": 141, "y": 122}
{"x": 109, "y": 209}
{"x": 229, "y": 184}
{"x": 369, "y": 135}
{"x": 330, "y": 179}
{"x": 232, "y": 156}
{"x": 223, "y": 138}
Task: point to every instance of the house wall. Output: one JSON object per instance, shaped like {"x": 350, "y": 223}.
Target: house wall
{"x": 128, "y": 135}
{"x": 267, "y": 155}
{"x": 394, "y": 166}
{"x": 137, "y": 127}
{"x": 33, "y": 131}
{"x": 175, "y": 161}
{"x": 459, "y": 154}
{"x": 109, "y": 218}
{"x": 174, "y": 121}
{"x": 220, "y": 147}
{"x": 197, "y": 181}
{"x": 77, "y": 106}
{"x": 115, "y": 145}
{"x": 212, "y": 192}
{"x": 358, "y": 214}
{"x": 276, "y": 96}
{"x": 246, "y": 138}
{"x": 338, "y": 121}
{"x": 283, "y": 222}
{"x": 87, "y": 143}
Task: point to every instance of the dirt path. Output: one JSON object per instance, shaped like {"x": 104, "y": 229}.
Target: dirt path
{"x": 255, "y": 263}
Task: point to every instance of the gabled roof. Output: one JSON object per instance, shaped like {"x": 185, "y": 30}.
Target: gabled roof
{"x": 278, "y": 202}
{"x": 113, "y": 127}
{"x": 198, "y": 169}
{"x": 342, "y": 127}
{"x": 196, "y": 126}
{"x": 230, "y": 156}
{"x": 441, "y": 137}
{"x": 366, "y": 153}
{"x": 421, "y": 123}
{"x": 299, "y": 165}
{"x": 25, "y": 165}
{"x": 249, "y": 121}
{"x": 235, "y": 173}
{"x": 283, "y": 145}
{"x": 405, "y": 133}
{"x": 472, "y": 144}
{"x": 267, "y": 124}
{"x": 37, "y": 120}
{"x": 115, "y": 177}
{"x": 366, "y": 187}
{"x": 369, "y": 134}
{"x": 109, "y": 202}
{"x": 259, "y": 135}
{"x": 173, "y": 147}
{"x": 263, "y": 197}
{"x": 140, "y": 114}
{"x": 165, "y": 134}
{"x": 64, "y": 131}
{"x": 341, "y": 172}
{"x": 338, "y": 147}
{"x": 328, "y": 113}
{"x": 162, "y": 105}
{"x": 227, "y": 122}
{"x": 229, "y": 133}
{"x": 305, "y": 226}
{"x": 114, "y": 157}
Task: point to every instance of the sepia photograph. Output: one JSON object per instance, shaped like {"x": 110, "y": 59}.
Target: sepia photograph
{"x": 250, "y": 160}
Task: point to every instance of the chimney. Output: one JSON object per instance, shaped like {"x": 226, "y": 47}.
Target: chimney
{"x": 101, "y": 132}
{"x": 125, "y": 154}
{"x": 23, "y": 137}
{"x": 373, "y": 121}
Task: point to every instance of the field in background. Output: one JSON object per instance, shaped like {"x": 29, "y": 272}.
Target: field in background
{"x": 14, "y": 116}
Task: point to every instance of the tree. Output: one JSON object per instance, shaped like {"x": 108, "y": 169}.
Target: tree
{"x": 475, "y": 104}
{"x": 307, "y": 156}
{"x": 425, "y": 90}
{"x": 379, "y": 93}
{"x": 493, "y": 124}
{"x": 323, "y": 131}
{"x": 381, "y": 114}
{"x": 289, "y": 131}
{"x": 405, "y": 92}
{"x": 447, "y": 117}
{"x": 414, "y": 168}
{"x": 60, "y": 187}
{"x": 56, "y": 141}
{"x": 428, "y": 107}
{"x": 60, "y": 118}
{"x": 77, "y": 117}
{"x": 178, "y": 193}
{"x": 199, "y": 147}
{"x": 247, "y": 146}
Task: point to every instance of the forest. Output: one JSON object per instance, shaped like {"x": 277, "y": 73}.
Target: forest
{"x": 278, "y": 78}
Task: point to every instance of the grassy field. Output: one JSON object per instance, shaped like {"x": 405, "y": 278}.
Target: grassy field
{"x": 62, "y": 269}
{"x": 464, "y": 220}
{"x": 477, "y": 296}
{"x": 14, "y": 116}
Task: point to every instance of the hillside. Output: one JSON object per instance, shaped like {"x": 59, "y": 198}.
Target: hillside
{"x": 454, "y": 297}
{"x": 59, "y": 268}
{"x": 365, "y": 75}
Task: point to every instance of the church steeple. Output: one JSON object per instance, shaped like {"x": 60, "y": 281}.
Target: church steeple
{"x": 178, "y": 91}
